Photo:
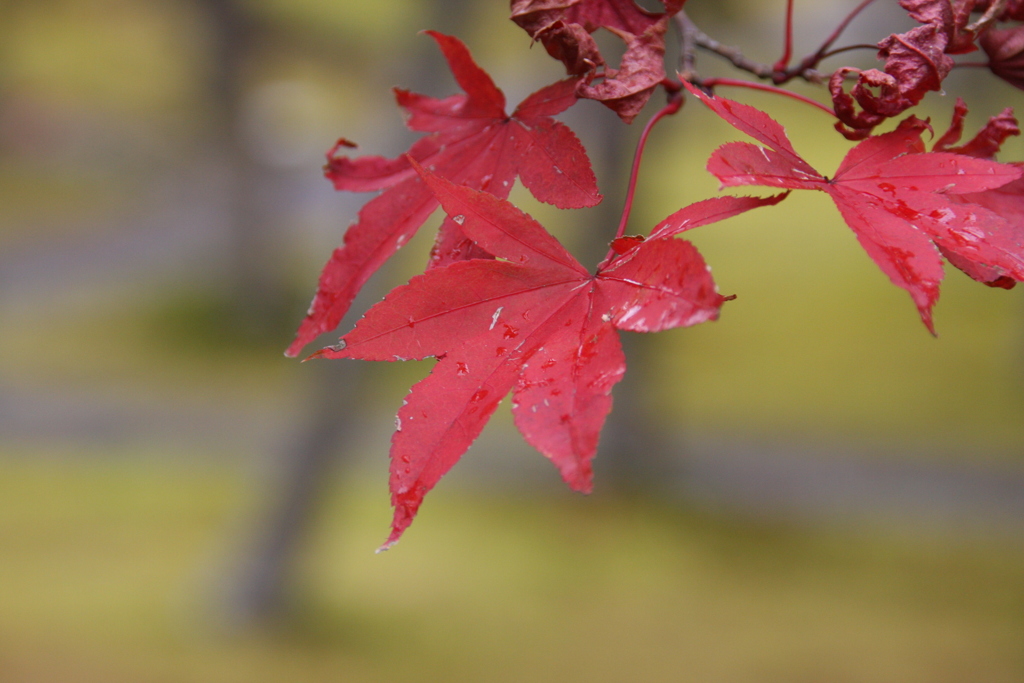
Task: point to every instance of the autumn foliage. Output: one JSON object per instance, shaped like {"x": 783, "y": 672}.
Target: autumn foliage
{"x": 505, "y": 309}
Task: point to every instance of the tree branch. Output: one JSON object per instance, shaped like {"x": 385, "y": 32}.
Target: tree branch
{"x": 700, "y": 39}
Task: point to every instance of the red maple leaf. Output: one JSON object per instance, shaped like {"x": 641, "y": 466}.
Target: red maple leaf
{"x": 564, "y": 28}
{"x": 900, "y": 201}
{"x": 472, "y": 142}
{"x": 534, "y": 322}
{"x": 986, "y": 143}
{"x": 1007, "y": 201}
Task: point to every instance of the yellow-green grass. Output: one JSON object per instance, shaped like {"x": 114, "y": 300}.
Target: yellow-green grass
{"x": 116, "y": 570}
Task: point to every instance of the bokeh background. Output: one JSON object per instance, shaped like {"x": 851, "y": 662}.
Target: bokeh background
{"x": 811, "y": 489}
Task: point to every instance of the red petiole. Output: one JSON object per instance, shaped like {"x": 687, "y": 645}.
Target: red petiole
{"x": 812, "y": 60}
{"x": 675, "y": 103}
{"x": 787, "y": 49}
{"x": 736, "y": 83}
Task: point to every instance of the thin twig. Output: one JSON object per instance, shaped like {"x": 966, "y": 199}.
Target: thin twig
{"x": 847, "y": 48}
{"x": 733, "y": 54}
{"x": 812, "y": 60}
{"x": 738, "y": 59}
{"x": 687, "y": 46}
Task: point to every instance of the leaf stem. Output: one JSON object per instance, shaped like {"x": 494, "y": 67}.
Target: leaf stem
{"x": 675, "y": 103}
{"x": 812, "y": 60}
{"x": 787, "y": 47}
{"x": 753, "y": 85}
{"x": 847, "y": 48}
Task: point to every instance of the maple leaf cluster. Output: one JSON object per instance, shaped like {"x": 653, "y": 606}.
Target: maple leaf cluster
{"x": 505, "y": 309}
{"x": 905, "y": 205}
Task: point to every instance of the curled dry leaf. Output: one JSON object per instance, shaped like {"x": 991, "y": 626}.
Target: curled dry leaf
{"x": 564, "y": 28}
{"x": 1005, "y": 50}
{"x": 952, "y": 17}
{"x": 916, "y": 62}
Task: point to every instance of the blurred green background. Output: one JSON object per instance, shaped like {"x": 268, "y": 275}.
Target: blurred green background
{"x": 811, "y": 489}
